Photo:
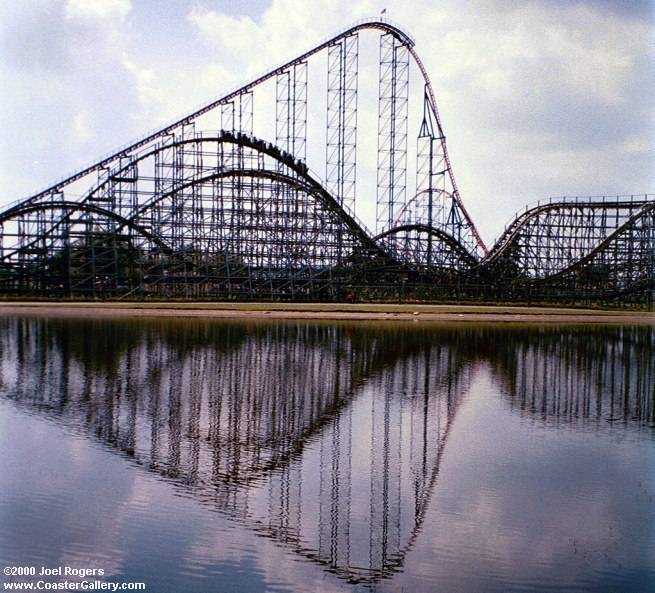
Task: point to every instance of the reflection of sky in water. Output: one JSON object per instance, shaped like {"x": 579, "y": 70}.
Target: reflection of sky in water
{"x": 495, "y": 495}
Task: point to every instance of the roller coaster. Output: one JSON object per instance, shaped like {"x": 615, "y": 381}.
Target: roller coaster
{"x": 223, "y": 204}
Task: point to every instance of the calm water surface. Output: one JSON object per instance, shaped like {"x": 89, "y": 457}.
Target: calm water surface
{"x": 204, "y": 456}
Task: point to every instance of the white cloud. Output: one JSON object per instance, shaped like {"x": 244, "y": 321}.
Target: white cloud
{"x": 238, "y": 34}
{"x": 144, "y": 81}
{"x": 82, "y": 127}
{"x": 101, "y": 9}
{"x": 75, "y": 90}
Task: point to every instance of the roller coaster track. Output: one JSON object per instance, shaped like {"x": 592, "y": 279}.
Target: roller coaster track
{"x": 456, "y": 196}
{"x": 371, "y": 24}
{"x": 73, "y": 207}
{"x": 648, "y": 209}
{"x": 515, "y": 227}
{"x": 522, "y": 222}
{"x": 179, "y": 123}
{"x": 442, "y": 236}
{"x": 298, "y": 178}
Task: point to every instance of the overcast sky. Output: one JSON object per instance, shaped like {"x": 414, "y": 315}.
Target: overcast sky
{"x": 538, "y": 98}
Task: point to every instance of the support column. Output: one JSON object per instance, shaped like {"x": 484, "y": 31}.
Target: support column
{"x": 341, "y": 138}
{"x": 392, "y": 130}
{"x": 291, "y": 110}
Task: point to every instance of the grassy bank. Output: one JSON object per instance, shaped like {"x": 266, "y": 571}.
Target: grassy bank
{"x": 331, "y": 311}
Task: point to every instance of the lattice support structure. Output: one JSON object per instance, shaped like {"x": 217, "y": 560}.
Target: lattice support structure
{"x": 341, "y": 138}
{"x": 392, "y": 130}
{"x": 430, "y": 171}
{"x": 549, "y": 238}
{"x": 237, "y": 114}
{"x": 290, "y": 137}
{"x": 291, "y": 110}
{"x": 434, "y": 202}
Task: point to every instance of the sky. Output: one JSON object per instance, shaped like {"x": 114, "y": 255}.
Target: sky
{"x": 538, "y": 98}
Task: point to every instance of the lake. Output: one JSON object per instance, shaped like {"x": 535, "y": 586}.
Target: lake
{"x": 213, "y": 456}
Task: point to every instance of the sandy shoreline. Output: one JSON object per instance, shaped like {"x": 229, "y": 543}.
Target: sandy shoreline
{"x": 387, "y": 312}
